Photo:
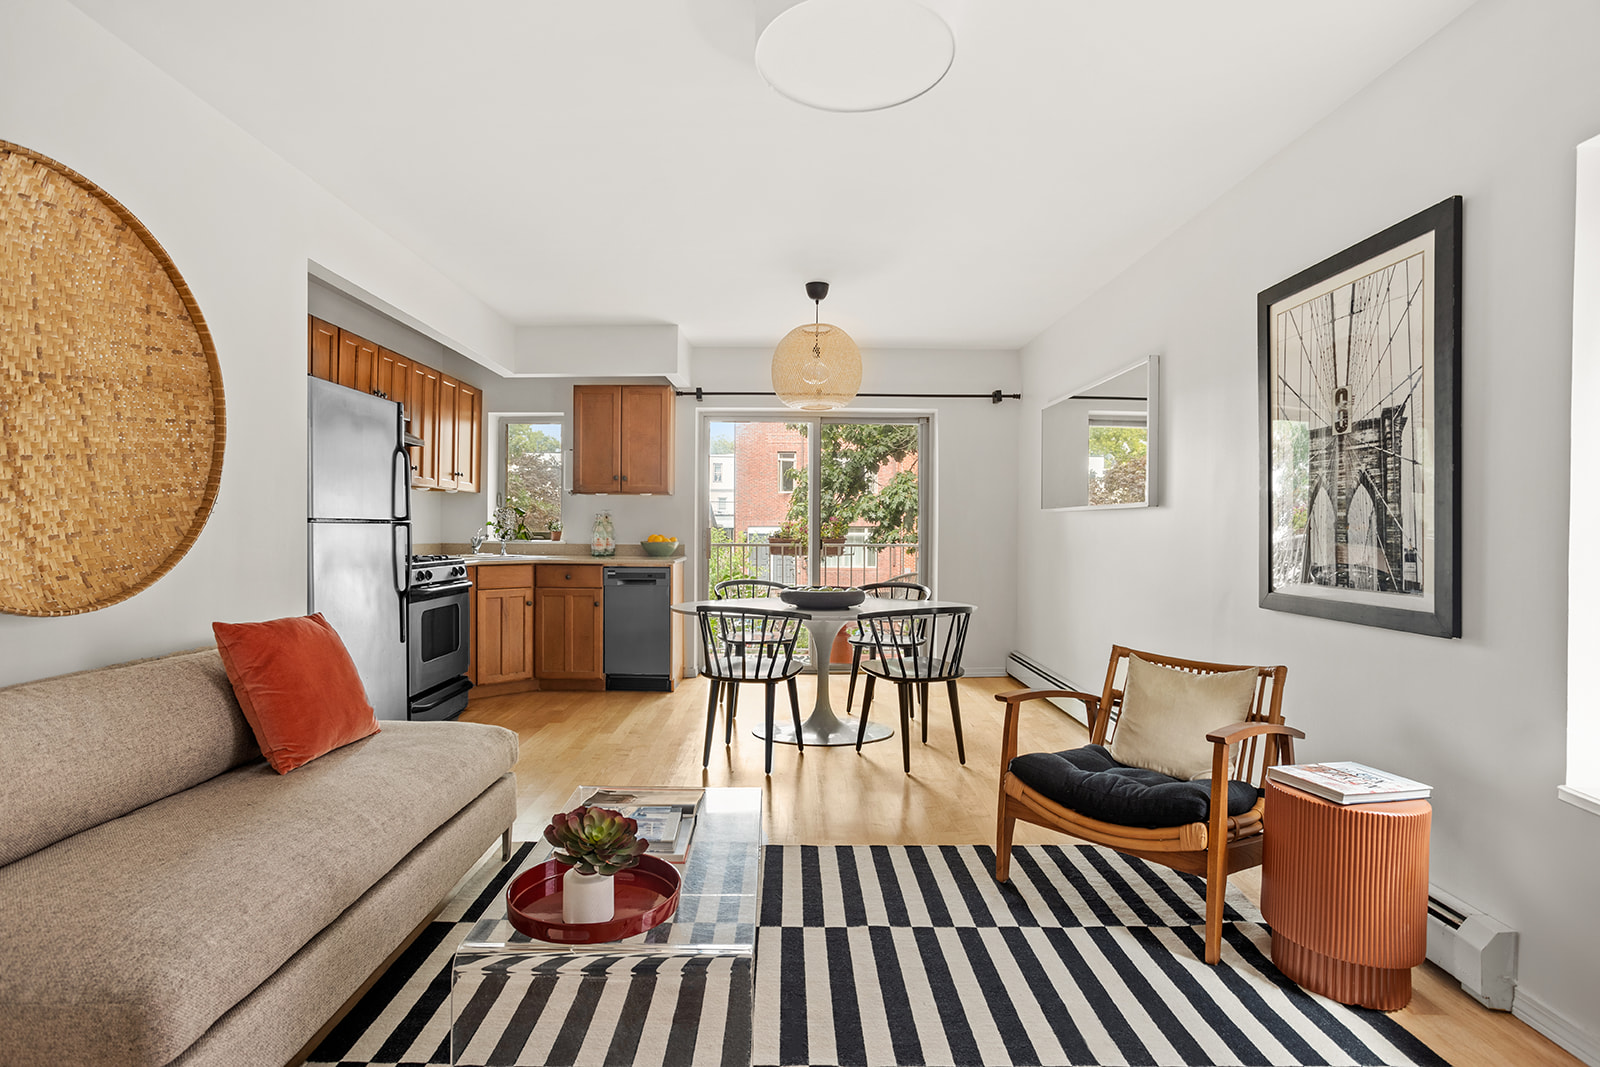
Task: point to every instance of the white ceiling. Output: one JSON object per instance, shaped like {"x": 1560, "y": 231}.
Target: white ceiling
{"x": 572, "y": 161}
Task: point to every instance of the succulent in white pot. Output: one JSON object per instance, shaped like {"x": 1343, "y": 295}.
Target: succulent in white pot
{"x": 594, "y": 843}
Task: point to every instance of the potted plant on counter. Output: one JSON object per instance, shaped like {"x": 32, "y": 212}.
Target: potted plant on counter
{"x": 555, "y": 529}
{"x": 510, "y": 523}
{"x": 594, "y": 843}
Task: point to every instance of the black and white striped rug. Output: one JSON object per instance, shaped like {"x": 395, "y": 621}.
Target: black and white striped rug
{"x": 871, "y": 956}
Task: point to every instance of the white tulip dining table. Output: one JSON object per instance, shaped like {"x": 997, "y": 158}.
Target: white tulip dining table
{"x": 823, "y": 726}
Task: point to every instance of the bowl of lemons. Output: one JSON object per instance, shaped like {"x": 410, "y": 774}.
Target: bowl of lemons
{"x": 659, "y": 545}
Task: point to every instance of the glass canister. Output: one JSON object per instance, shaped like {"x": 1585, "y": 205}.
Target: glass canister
{"x": 604, "y": 541}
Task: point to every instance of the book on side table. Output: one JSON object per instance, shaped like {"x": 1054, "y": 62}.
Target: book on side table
{"x": 1349, "y": 783}
{"x": 666, "y": 817}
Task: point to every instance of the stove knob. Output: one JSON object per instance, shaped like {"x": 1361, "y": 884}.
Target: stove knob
{"x": 424, "y": 576}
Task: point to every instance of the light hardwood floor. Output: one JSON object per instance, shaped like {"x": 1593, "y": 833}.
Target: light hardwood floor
{"x": 833, "y": 796}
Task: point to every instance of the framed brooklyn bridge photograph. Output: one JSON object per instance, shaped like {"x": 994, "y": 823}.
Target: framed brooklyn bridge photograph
{"x": 1360, "y": 360}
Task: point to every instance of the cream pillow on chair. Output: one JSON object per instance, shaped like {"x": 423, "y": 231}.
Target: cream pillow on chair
{"x": 1167, "y": 713}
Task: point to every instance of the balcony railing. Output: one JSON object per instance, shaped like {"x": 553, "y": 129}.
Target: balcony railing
{"x": 849, "y": 564}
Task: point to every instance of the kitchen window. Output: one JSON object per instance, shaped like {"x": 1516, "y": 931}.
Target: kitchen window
{"x": 532, "y": 473}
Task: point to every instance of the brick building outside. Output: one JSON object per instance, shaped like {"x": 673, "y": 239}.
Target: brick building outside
{"x": 764, "y": 456}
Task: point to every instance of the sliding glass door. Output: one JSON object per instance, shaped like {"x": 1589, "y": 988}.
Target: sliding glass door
{"x": 814, "y": 501}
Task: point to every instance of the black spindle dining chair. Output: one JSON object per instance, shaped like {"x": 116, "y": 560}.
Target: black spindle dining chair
{"x": 749, "y": 645}
{"x": 913, "y": 665}
{"x": 891, "y": 590}
{"x": 743, "y": 589}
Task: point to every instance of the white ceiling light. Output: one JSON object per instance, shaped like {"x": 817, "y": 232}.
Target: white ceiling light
{"x": 852, "y": 55}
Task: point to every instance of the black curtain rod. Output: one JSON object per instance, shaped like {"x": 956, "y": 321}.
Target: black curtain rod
{"x": 993, "y": 398}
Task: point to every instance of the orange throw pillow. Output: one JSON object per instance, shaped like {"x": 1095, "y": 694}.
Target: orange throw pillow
{"x": 298, "y": 687}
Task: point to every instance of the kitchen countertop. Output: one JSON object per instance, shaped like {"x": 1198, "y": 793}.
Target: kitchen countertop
{"x": 574, "y": 559}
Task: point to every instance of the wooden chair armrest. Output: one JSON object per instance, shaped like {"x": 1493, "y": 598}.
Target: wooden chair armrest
{"x": 1017, "y": 696}
{"x": 1238, "y": 731}
{"x": 1013, "y": 702}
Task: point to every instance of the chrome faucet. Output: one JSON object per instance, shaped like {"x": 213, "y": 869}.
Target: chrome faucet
{"x": 479, "y": 538}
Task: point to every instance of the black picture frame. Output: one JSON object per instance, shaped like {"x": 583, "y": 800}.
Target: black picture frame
{"x": 1360, "y": 435}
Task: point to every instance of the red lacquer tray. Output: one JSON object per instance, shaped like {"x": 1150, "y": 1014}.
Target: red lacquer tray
{"x": 646, "y": 896}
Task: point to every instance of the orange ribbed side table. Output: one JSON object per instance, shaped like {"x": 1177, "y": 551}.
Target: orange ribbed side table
{"x": 1345, "y": 889}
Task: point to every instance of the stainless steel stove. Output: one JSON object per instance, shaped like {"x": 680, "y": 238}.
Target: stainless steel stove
{"x": 435, "y": 570}
{"x": 439, "y": 648}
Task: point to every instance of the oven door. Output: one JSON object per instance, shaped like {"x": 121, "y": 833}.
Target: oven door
{"x": 440, "y": 643}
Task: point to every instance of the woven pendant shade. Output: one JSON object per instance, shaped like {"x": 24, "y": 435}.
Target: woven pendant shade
{"x": 111, "y": 414}
{"x": 816, "y": 367}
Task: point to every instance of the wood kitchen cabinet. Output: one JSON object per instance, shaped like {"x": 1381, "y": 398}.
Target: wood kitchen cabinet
{"x": 469, "y": 438}
{"x": 459, "y": 427}
{"x": 357, "y": 362}
{"x": 323, "y": 358}
{"x": 622, "y": 438}
{"x": 393, "y": 378}
{"x": 502, "y": 624}
{"x": 569, "y": 626}
{"x": 444, "y": 412}
{"x": 424, "y": 397}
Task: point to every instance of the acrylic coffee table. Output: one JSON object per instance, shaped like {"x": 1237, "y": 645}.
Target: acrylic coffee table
{"x": 679, "y": 993}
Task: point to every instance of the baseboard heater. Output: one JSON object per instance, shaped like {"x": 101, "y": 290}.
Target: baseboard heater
{"x": 1477, "y": 950}
{"x": 1037, "y": 676}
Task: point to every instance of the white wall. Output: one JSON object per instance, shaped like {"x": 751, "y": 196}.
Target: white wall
{"x": 242, "y": 227}
{"x": 1491, "y": 108}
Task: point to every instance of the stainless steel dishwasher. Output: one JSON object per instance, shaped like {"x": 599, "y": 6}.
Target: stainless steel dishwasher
{"x": 638, "y": 637}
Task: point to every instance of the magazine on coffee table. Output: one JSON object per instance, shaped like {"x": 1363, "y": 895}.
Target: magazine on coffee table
{"x": 665, "y": 816}
{"x": 1349, "y": 783}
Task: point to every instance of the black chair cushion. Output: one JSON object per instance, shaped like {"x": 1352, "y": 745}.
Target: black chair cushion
{"x": 1090, "y": 782}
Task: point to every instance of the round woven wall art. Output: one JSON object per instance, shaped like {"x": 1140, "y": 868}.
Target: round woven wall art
{"x": 111, "y": 415}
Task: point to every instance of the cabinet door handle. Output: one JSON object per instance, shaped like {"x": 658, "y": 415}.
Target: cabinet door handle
{"x": 613, "y": 477}
{"x": 569, "y": 577}
{"x": 597, "y": 603}
{"x": 529, "y": 603}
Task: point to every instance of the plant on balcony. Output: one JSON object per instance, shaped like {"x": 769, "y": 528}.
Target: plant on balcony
{"x": 789, "y": 540}
{"x": 834, "y": 531}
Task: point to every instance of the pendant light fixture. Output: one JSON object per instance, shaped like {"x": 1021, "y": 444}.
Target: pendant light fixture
{"x": 816, "y": 367}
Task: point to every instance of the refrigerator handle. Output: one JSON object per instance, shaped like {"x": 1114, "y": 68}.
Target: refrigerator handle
{"x": 399, "y": 487}
{"x": 402, "y": 583}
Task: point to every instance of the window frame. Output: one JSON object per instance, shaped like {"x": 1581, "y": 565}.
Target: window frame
{"x": 502, "y": 454}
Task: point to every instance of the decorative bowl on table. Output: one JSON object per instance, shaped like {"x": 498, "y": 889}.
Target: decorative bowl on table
{"x": 659, "y": 548}
{"x": 822, "y": 597}
{"x": 646, "y": 896}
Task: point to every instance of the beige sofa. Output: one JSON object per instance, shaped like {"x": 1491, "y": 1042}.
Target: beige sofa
{"x": 167, "y": 898}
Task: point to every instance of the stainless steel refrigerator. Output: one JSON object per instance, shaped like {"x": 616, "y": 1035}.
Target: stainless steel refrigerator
{"x": 359, "y": 533}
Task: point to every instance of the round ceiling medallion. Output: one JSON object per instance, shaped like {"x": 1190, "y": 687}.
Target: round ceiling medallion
{"x": 854, "y": 55}
{"x": 111, "y": 413}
